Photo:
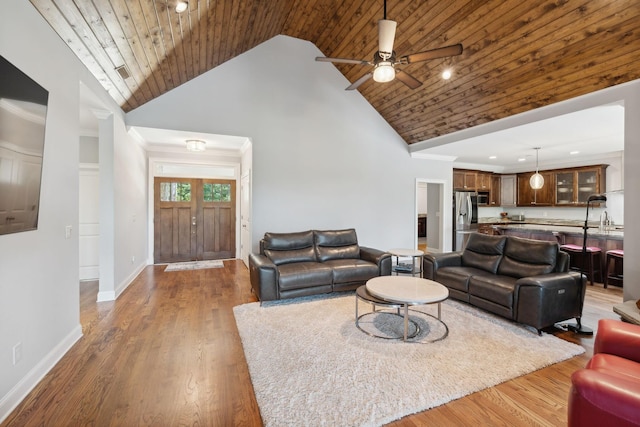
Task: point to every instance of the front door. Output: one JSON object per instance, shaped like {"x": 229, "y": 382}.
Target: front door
{"x": 194, "y": 219}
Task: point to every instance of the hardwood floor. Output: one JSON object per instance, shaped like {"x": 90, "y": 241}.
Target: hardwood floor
{"x": 167, "y": 353}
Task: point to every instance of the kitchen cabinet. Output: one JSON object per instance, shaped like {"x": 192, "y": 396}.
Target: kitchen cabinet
{"x": 483, "y": 181}
{"x": 508, "y": 190}
{"x": 464, "y": 180}
{"x": 527, "y": 196}
{"x": 574, "y": 186}
{"x": 496, "y": 194}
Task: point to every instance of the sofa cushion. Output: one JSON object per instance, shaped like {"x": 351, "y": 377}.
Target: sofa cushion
{"x": 490, "y": 287}
{"x": 336, "y": 244}
{"x": 284, "y": 248}
{"x": 303, "y": 275}
{"x": 352, "y": 270}
{"x": 527, "y": 257}
{"x": 457, "y": 277}
{"x": 483, "y": 252}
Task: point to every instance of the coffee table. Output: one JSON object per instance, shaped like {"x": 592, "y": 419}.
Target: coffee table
{"x": 401, "y": 292}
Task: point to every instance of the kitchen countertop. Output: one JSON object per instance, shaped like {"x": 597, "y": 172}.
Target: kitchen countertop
{"x": 554, "y": 225}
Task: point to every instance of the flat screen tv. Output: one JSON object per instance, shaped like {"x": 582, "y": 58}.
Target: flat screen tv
{"x": 23, "y": 112}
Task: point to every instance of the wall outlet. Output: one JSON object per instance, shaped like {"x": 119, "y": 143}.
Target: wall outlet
{"x": 133, "y": 259}
{"x": 17, "y": 353}
{"x": 67, "y": 232}
{"x": 544, "y": 214}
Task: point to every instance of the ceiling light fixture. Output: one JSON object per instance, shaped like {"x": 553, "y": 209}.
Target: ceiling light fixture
{"x": 181, "y": 6}
{"x": 384, "y": 72}
{"x": 195, "y": 145}
{"x": 446, "y": 74}
{"x": 536, "y": 181}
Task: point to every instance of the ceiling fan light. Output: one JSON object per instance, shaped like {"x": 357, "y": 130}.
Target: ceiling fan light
{"x": 536, "y": 181}
{"x": 384, "y": 72}
{"x": 195, "y": 145}
{"x": 181, "y": 6}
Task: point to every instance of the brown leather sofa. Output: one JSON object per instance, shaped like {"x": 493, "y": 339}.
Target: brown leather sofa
{"x": 521, "y": 279}
{"x": 292, "y": 265}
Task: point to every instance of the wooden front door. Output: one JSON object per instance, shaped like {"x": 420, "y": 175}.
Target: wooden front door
{"x": 194, "y": 219}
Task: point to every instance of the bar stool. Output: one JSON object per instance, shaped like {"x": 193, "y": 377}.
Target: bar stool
{"x": 594, "y": 260}
{"x": 617, "y": 256}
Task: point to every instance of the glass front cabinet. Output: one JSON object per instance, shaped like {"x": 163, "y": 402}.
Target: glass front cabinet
{"x": 574, "y": 186}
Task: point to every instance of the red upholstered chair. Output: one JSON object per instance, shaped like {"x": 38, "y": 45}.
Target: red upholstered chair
{"x": 607, "y": 391}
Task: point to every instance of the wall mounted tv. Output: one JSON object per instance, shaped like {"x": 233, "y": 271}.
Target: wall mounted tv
{"x": 23, "y": 112}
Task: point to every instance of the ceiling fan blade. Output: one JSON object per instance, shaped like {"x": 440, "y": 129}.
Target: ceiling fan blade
{"x": 343, "y": 60}
{"x": 441, "y": 52}
{"x": 386, "y": 36}
{"x": 408, "y": 79}
{"x": 358, "y": 82}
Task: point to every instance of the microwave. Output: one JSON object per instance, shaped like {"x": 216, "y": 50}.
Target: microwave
{"x": 483, "y": 198}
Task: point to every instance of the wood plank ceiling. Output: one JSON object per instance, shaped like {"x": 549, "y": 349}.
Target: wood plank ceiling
{"x": 518, "y": 55}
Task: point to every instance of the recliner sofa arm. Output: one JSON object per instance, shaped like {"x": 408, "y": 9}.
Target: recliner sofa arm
{"x": 432, "y": 262}
{"x": 381, "y": 258}
{"x": 619, "y": 339}
{"x": 263, "y": 275}
{"x": 544, "y": 300}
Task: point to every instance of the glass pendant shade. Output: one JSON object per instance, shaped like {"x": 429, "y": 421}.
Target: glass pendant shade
{"x": 384, "y": 72}
{"x": 536, "y": 181}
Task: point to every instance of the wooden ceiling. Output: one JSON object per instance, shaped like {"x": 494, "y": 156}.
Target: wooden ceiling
{"x": 518, "y": 55}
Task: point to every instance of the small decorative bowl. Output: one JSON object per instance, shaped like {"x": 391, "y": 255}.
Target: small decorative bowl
{"x": 504, "y": 214}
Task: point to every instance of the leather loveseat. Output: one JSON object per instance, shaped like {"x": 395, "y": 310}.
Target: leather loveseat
{"x": 524, "y": 280}
{"x": 292, "y": 265}
{"x": 607, "y": 391}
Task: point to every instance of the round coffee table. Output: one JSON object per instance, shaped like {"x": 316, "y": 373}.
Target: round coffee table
{"x": 408, "y": 291}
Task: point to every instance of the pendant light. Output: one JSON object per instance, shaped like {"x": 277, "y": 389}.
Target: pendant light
{"x": 536, "y": 181}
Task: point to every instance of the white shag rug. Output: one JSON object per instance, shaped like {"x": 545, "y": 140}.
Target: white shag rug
{"x": 311, "y": 366}
{"x": 194, "y": 265}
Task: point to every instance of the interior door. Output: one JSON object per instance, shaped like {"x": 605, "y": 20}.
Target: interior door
{"x": 195, "y": 219}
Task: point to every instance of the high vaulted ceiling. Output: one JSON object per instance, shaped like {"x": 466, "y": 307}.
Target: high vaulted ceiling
{"x": 518, "y": 55}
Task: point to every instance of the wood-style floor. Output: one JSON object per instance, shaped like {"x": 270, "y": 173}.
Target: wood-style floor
{"x": 167, "y": 353}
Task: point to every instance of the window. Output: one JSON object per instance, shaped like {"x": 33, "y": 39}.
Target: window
{"x": 175, "y": 192}
{"x": 217, "y": 192}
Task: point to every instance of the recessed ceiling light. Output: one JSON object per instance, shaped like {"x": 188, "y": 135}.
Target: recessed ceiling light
{"x": 574, "y": 152}
{"x": 521, "y": 159}
{"x": 446, "y": 74}
{"x": 493, "y": 157}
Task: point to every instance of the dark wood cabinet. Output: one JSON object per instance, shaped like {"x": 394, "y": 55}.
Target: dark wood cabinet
{"x": 483, "y": 181}
{"x": 574, "y": 186}
{"x": 527, "y": 196}
{"x": 422, "y": 226}
{"x": 464, "y": 180}
{"x": 495, "y": 195}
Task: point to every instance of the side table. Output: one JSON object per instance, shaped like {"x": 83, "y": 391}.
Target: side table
{"x": 406, "y": 268}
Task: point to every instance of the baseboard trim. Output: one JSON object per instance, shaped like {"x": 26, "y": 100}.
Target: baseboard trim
{"x": 12, "y": 399}
{"x": 129, "y": 280}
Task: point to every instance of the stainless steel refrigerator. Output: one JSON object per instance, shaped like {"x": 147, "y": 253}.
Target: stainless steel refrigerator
{"x": 465, "y": 217}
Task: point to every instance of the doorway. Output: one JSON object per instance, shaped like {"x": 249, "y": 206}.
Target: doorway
{"x": 429, "y": 222}
{"x": 194, "y": 219}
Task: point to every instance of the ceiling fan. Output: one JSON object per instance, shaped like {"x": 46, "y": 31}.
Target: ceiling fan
{"x": 385, "y": 59}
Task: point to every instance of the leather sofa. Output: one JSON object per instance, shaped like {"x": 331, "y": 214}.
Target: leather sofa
{"x": 607, "y": 391}
{"x": 292, "y": 265}
{"x": 524, "y": 280}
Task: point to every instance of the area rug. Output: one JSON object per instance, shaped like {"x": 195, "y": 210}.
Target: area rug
{"x": 311, "y": 366}
{"x": 193, "y": 265}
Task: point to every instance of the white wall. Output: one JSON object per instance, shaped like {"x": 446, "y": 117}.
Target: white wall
{"x": 39, "y": 270}
{"x": 322, "y": 157}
